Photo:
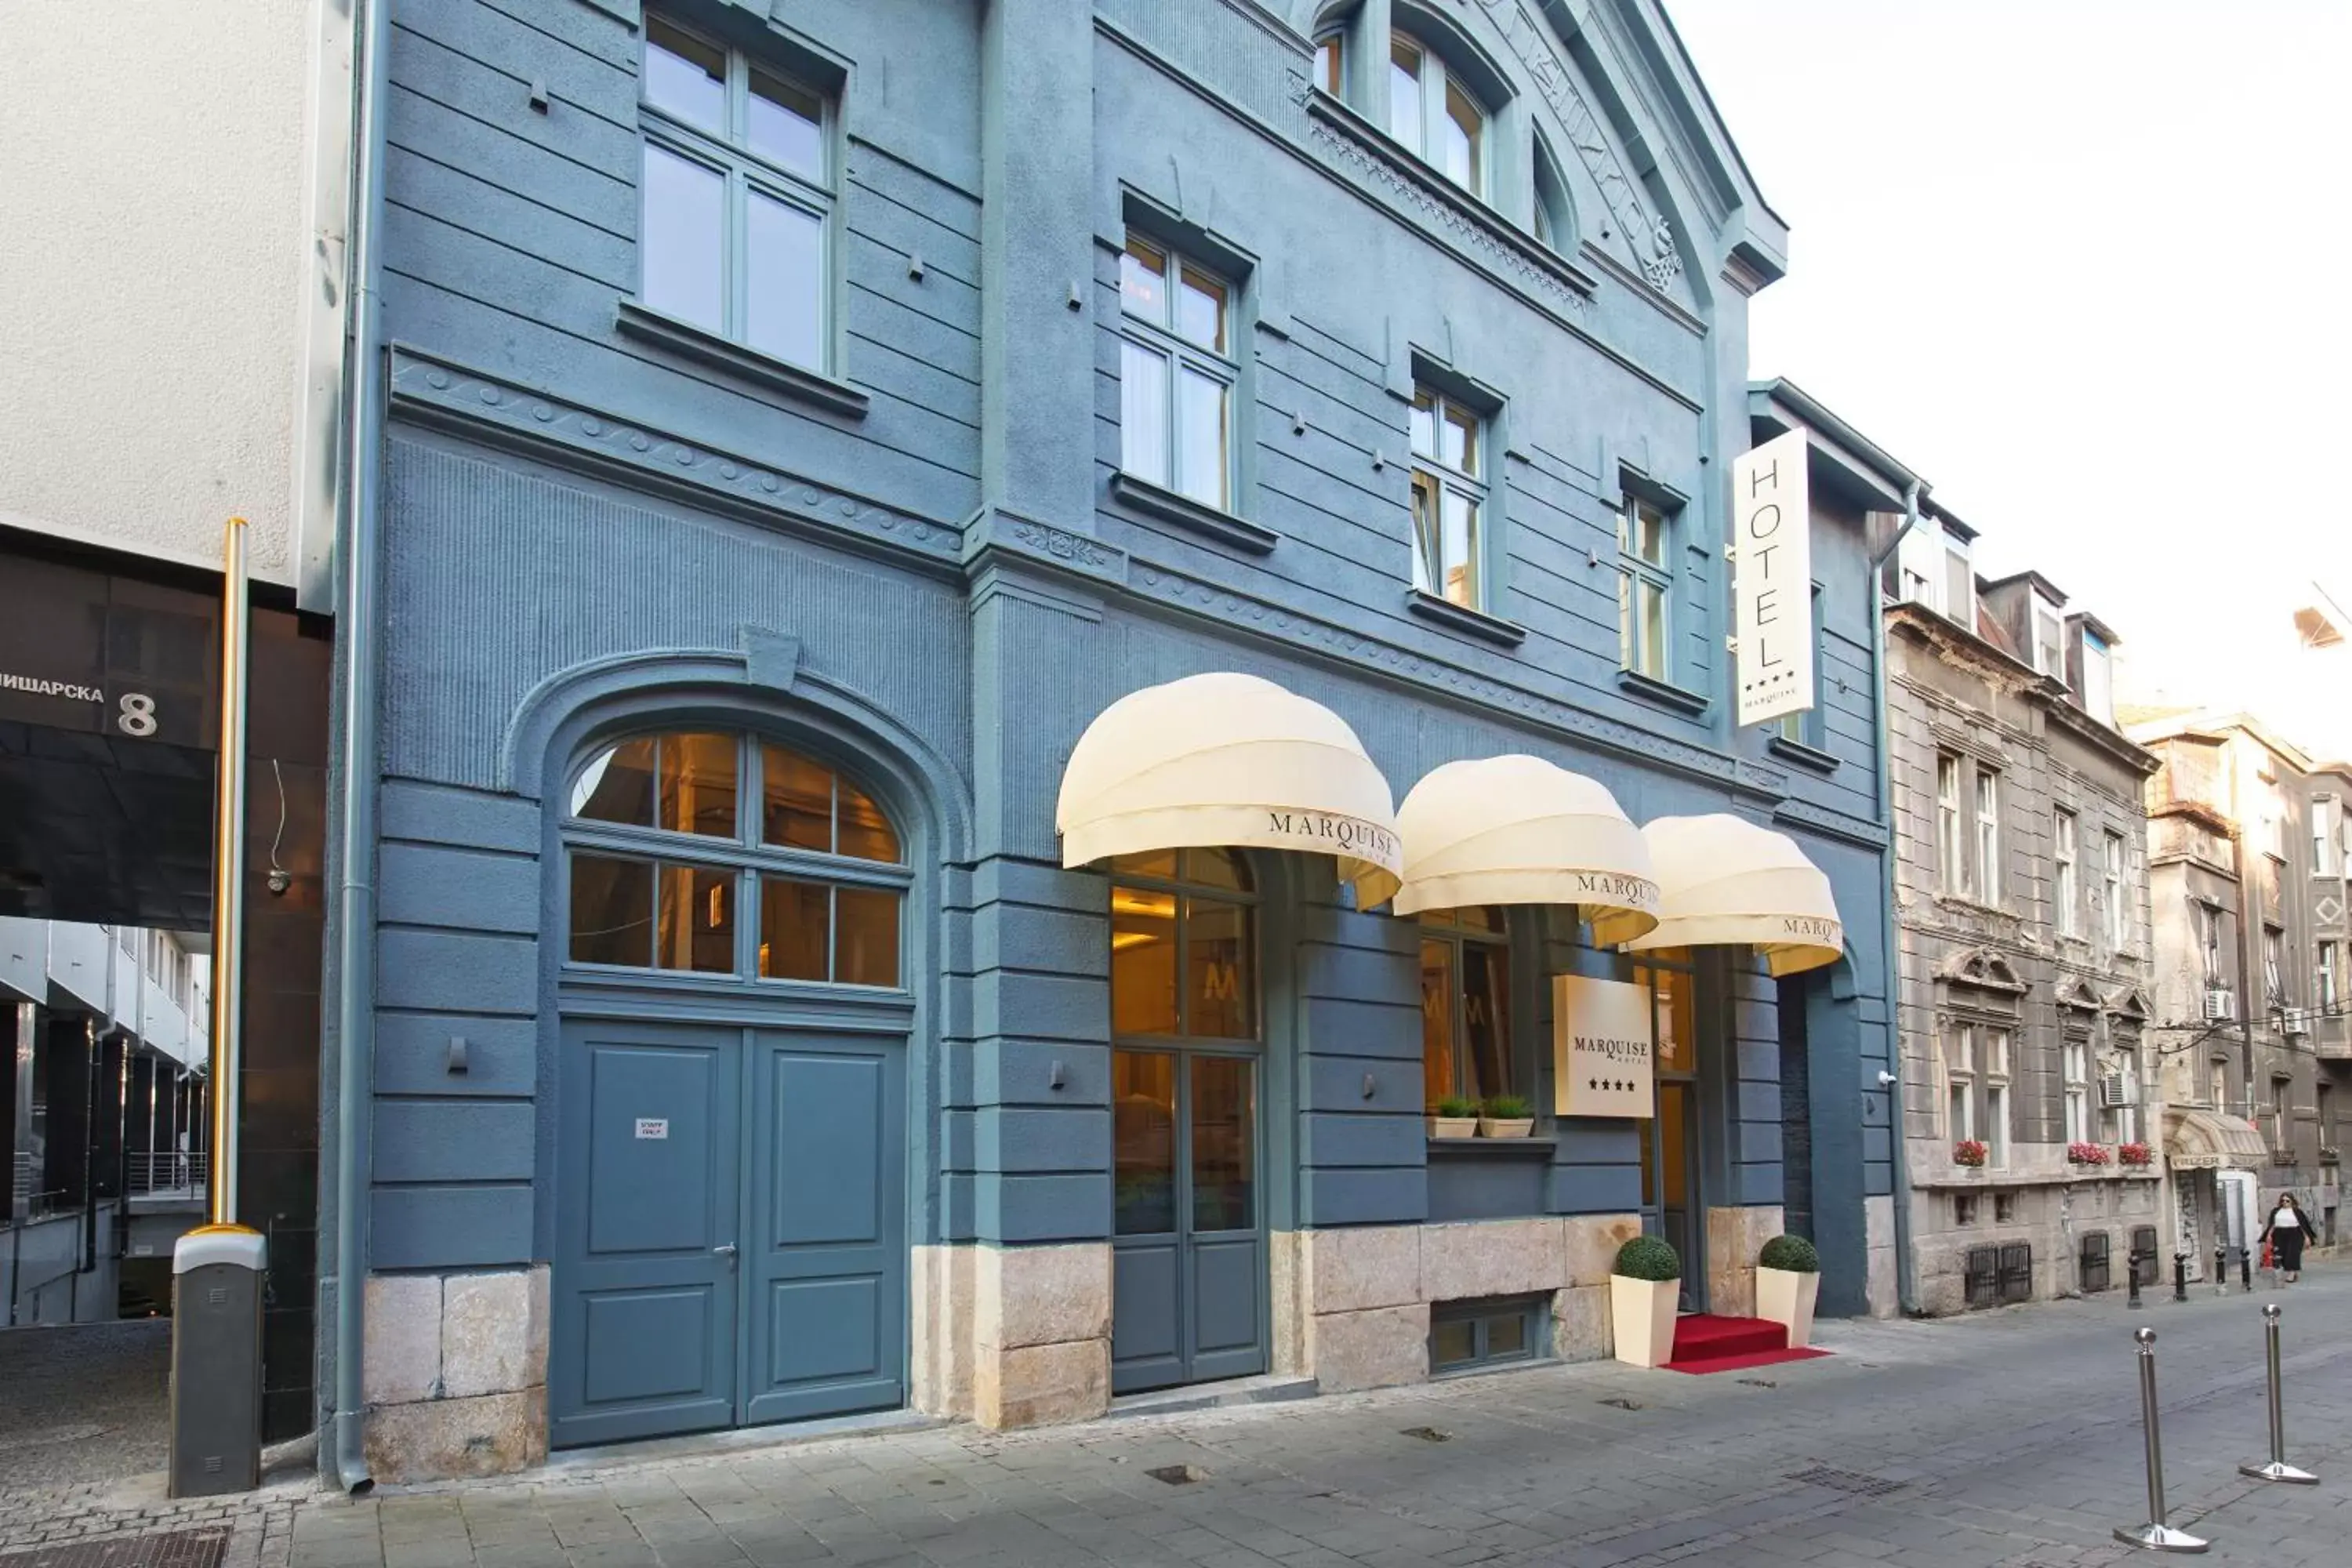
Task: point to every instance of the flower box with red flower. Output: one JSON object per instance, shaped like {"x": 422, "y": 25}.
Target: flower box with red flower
{"x": 1971, "y": 1152}
{"x": 2086, "y": 1154}
{"x": 2136, "y": 1154}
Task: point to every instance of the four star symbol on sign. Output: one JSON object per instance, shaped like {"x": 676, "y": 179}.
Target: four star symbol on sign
{"x": 1623, "y": 1086}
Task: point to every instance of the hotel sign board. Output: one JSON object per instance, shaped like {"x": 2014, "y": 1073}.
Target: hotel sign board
{"x": 1602, "y": 1049}
{"x": 1772, "y": 580}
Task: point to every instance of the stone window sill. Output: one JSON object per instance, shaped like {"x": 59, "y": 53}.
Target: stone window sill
{"x": 1662, "y": 693}
{"x": 1462, "y": 618}
{"x": 1536, "y": 1146}
{"x": 690, "y": 341}
{"x": 1209, "y": 522}
{"x": 1803, "y": 756}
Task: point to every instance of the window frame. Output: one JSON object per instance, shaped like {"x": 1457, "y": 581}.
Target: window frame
{"x": 1951, "y": 830}
{"x": 2113, "y": 868}
{"x": 2049, "y": 658}
{"x": 1428, "y": 467}
{"x": 1960, "y": 1080}
{"x": 727, "y": 151}
{"x": 1250, "y": 901}
{"x": 2274, "y": 966}
{"x": 2066, "y": 856}
{"x": 2325, "y": 836}
{"x": 1179, "y": 353}
{"x": 745, "y": 858}
{"x": 2098, "y": 692}
{"x": 2327, "y": 973}
{"x": 1481, "y": 1314}
{"x": 1636, "y": 572}
{"x": 2074, "y": 1065}
{"x": 1445, "y": 927}
{"x": 1433, "y": 78}
{"x": 1998, "y": 1043}
{"x": 1987, "y": 810}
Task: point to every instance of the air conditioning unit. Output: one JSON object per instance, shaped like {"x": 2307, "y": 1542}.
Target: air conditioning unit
{"x": 2118, "y": 1088}
{"x": 2220, "y": 1003}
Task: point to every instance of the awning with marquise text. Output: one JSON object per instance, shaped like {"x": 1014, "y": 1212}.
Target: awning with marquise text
{"x": 1520, "y": 830}
{"x": 1724, "y": 881}
{"x": 1229, "y": 760}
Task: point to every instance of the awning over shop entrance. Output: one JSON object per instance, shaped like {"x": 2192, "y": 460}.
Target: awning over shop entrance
{"x": 1519, "y": 830}
{"x": 1229, "y": 760}
{"x": 1724, "y": 880}
{"x": 2212, "y": 1140}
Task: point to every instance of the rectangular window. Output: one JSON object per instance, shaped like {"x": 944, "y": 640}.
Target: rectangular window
{"x": 1645, "y": 589}
{"x": 2066, "y": 888}
{"x": 2274, "y": 966}
{"x": 2113, "y": 906}
{"x": 2325, "y": 813}
{"x": 2330, "y": 957}
{"x": 2099, "y": 678}
{"x": 2217, "y": 1087}
{"x": 1988, "y": 864}
{"x": 1959, "y": 588}
{"x": 1960, "y": 1084}
{"x": 1466, "y": 1334}
{"x": 1951, "y": 845}
{"x": 2049, "y": 640}
{"x": 1176, "y": 373}
{"x": 2208, "y": 942}
{"x": 1996, "y": 1097}
{"x": 1465, "y": 1007}
{"x": 2078, "y": 1090}
{"x": 2282, "y": 1110}
{"x": 1449, "y": 491}
{"x": 735, "y": 198}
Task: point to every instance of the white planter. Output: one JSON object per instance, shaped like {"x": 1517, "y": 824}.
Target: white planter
{"x": 1785, "y": 1297}
{"x": 1453, "y": 1126}
{"x": 1642, "y": 1311}
{"x": 1517, "y": 1127}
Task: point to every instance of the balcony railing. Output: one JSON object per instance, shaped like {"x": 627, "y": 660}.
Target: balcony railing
{"x": 163, "y": 1170}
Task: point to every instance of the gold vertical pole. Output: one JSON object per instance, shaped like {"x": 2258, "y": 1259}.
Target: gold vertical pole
{"x": 228, "y": 880}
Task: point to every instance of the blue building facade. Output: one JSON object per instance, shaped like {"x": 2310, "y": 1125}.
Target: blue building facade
{"x": 805, "y": 420}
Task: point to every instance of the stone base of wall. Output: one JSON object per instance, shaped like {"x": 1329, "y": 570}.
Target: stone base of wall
{"x": 456, "y": 1373}
{"x": 2052, "y": 1218}
{"x": 1041, "y": 1331}
{"x": 1351, "y": 1306}
{"x": 1734, "y": 1237}
{"x": 1882, "y": 1290}
{"x": 940, "y": 1369}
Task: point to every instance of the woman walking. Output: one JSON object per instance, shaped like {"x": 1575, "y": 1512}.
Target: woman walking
{"x": 2287, "y": 1231}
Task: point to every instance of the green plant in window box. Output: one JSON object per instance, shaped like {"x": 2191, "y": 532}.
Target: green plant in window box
{"x": 1453, "y": 1117}
{"x": 1506, "y": 1116}
{"x": 1787, "y": 1283}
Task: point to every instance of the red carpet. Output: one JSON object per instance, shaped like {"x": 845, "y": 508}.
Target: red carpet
{"x": 1704, "y": 1342}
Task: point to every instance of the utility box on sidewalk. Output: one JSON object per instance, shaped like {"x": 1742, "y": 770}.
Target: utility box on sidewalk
{"x": 217, "y": 1278}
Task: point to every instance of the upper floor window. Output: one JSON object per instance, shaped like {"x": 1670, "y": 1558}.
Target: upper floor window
{"x": 2113, "y": 887}
{"x": 1183, "y": 946}
{"x": 670, "y": 836}
{"x": 2099, "y": 678}
{"x": 2274, "y": 966}
{"x": 1645, "y": 586}
{"x": 1466, "y": 1005}
{"x": 735, "y": 196}
{"x": 1329, "y": 64}
{"x": 1434, "y": 115}
{"x": 1960, "y": 587}
{"x": 2326, "y": 814}
{"x": 1555, "y": 221}
{"x": 1176, "y": 373}
{"x": 2075, "y": 1055}
{"x": 1987, "y": 867}
{"x": 2208, "y": 918}
{"x": 2328, "y": 971}
{"x": 1951, "y": 845}
{"x": 2049, "y": 639}
{"x": 1449, "y": 491}
{"x": 2067, "y": 889}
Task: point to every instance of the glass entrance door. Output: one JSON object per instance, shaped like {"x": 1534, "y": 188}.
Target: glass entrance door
{"x": 1674, "y": 1198}
{"x": 1187, "y": 1258}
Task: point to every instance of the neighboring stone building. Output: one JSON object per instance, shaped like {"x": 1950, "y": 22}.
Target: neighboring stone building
{"x": 2247, "y": 837}
{"x": 2023, "y": 935}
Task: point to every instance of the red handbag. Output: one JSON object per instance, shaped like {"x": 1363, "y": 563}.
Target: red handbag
{"x": 2270, "y": 1256}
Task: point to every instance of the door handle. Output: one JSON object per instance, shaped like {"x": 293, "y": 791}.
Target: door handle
{"x": 727, "y": 1251}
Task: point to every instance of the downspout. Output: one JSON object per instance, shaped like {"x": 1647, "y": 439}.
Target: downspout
{"x": 1907, "y": 1282}
{"x": 2248, "y": 973}
{"x": 356, "y": 616}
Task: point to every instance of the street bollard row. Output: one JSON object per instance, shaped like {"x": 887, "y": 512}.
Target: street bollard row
{"x": 2157, "y": 1534}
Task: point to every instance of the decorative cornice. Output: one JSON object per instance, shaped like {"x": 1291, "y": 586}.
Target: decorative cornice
{"x": 486, "y": 406}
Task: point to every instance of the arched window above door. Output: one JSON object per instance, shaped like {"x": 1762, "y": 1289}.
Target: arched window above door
{"x": 669, "y": 835}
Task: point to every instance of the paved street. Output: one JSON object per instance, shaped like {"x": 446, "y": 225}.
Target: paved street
{"x": 2005, "y": 1439}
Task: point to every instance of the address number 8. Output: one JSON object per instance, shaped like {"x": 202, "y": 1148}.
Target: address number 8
{"x": 137, "y": 716}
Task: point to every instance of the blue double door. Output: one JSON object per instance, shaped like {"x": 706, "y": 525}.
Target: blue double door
{"x": 731, "y": 1245}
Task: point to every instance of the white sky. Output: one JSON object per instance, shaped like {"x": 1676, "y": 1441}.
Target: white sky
{"x": 2076, "y": 263}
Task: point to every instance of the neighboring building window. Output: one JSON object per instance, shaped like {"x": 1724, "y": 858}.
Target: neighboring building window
{"x": 2049, "y": 639}
{"x": 2281, "y": 1109}
{"x": 1959, "y": 1083}
{"x": 2323, "y": 1096}
{"x": 2120, "y": 1123}
{"x": 1960, "y": 587}
{"x": 1449, "y": 491}
{"x": 735, "y": 196}
{"x": 2067, "y": 889}
{"x": 2330, "y": 974}
{"x": 1555, "y": 220}
{"x": 1466, "y": 1005}
{"x": 2274, "y": 820}
{"x": 2325, "y": 813}
{"x": 1329, "y": 62}
{"x": 2217, "y": 1086}
{"x": 1437, "y": 118}
{"x": 670, "y": 835}
{"x": 2208, "y": 942}
{"x": 2077, "y": 1055}
{"x": 1645, "y": 589}
{"x": 1183, "y": 946}
{"x": 2113, "y": 906}
{"x": 1951, "y": 845}
{"x": 1997, "y": 1095}
{"x": 1176, "y": 373}
{"x": 2099, "y": 678}
{"x": 1987, "y": 867}
{"x": 2274, "y": 966}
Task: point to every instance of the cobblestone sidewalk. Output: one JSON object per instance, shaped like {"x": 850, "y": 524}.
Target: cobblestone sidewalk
{"x": 2004, "y": 1440}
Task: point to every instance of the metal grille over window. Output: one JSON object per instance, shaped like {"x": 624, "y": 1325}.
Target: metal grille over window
{"x": 675, "y": 838}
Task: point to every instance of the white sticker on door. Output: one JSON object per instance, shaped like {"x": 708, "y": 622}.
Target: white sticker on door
{"x": 653, "y": 1126}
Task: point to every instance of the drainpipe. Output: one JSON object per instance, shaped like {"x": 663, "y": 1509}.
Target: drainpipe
{"x": 2248, "y": 971}
{"x": 356, "y": 615}
{"x": 1907, "y": 1282}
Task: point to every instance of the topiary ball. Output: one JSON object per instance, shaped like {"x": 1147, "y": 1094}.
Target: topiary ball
{"x": 1648, "y": 1257}
{"x": 1793, "y": 1253}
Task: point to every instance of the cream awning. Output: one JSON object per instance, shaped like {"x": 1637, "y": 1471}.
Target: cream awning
{"x": 2210, "y": 1139}
{"x": 1725, "y": 880}
{"x": 1519, "y": 830}
{"x": 1229, "y": 760}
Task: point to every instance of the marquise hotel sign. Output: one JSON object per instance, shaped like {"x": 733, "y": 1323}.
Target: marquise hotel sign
{"x": 1603, "y": 1049}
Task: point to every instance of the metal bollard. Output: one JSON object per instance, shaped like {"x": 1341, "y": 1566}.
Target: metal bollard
{"x": 2154, "y": 1535}
{"x": 2221, "y": 1269}
{"x": 2246, "y": 1267}
{"x": 2278, "y": 1469}
{"x": 2131, "y": 1270}
{"x": 2181, "y": 1277}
